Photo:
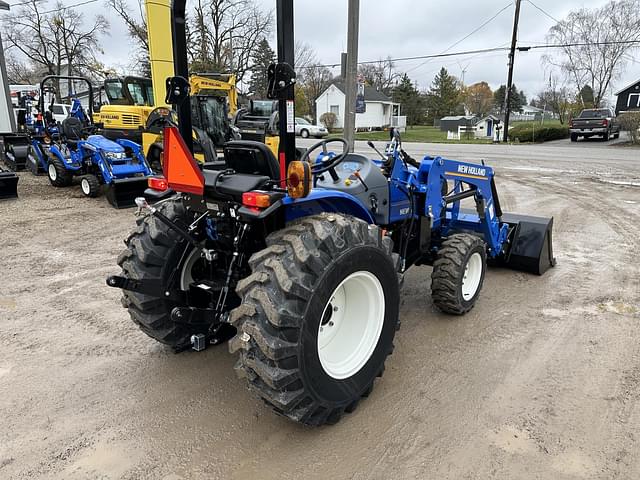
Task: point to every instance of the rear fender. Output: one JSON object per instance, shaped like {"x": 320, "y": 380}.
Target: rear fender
{"x": 68, "y": 162}
{"x": 325, "y": 201}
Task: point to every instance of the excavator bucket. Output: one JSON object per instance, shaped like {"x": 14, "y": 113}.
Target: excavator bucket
{"x": 123, "y": 192}
{"x": 8, "y": 184}
{"x": 531, "y": 243}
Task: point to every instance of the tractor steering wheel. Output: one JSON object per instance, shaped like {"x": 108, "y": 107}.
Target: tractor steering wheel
{"x": 328, "y": 163}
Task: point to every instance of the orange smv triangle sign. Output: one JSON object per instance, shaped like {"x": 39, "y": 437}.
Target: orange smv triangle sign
{"x": 181, "y": 170}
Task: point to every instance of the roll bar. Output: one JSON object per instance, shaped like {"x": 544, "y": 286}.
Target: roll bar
{"x": 284, "y": 15}
{"x": 63, "y": 77}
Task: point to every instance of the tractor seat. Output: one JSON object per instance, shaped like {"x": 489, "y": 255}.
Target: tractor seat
{"x": 231, "y": 186}
{"x": 72, "y": 130}
{"x": 251, "y": 158}
{"x": 253, "y": 166}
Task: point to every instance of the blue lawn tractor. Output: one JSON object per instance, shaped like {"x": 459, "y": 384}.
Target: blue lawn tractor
{"x": 300, "y": 261}
{"x": 119, "y": 164}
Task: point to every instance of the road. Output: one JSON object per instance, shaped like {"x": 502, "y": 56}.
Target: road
{"x": 540, "y": 380}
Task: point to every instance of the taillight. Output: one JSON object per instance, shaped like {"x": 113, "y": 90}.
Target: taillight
{"x": 256, "y": 199}
{"x": 299, "y": 179}
{"x": 158, "y": 183}
{"x": 605, "y": 123}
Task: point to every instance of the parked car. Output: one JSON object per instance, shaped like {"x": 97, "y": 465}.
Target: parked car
{"x": 60, "y": 111}
{"x": 306, "y": 129}
{"x": 594, "y": 121}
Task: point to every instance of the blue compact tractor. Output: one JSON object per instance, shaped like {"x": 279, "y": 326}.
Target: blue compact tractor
{"x": 299, "y": 261}
{"x": 120, "y": 164}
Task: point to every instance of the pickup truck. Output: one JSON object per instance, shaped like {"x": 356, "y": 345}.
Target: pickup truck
{"x": 595, "y": 121}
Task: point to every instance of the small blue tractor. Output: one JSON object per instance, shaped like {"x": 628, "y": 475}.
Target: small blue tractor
{"x": 299, "y": 261}
{"x": 45, "y": 132}
{"x": 119, "y": 164}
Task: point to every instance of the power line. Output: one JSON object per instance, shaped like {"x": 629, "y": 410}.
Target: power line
{"x": 484, "y": 24}
{"x": 419, "y": 57}
{"x": 70, "y": 6}
{"x": 544, "y": 12}
{"x": 584, "y": 44}
{"x": 484, "y": 50}
{"x": 86, "y": 2}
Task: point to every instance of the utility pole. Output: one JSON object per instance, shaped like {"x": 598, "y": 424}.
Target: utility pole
{"x": 352, "y": 73}
{"x": 512, "y": 54}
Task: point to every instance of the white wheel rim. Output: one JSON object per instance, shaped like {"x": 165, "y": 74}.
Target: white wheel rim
{"x": 186, "y": 275}
{"x": 472, "y": 276}
{"x": 53, "y": 174}
{"x": 86, "y": 188}
{"x": 351, "y": 325}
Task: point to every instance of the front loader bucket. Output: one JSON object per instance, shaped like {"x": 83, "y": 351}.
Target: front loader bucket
{"x": 8, "y": 184}
{"x": 123, "y": 192}
{"x": 531, "y": 243}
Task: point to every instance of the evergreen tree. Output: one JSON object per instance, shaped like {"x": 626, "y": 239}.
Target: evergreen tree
{"x": 262, "y": 58}
{"x": 587, "y": 96}
{"x": 412, "y": 103}
{"x": 444, "y": 95}
{"x": 516, "y": 101}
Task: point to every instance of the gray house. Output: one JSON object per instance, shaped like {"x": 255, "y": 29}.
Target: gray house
{"x": 451, "y": 123}
{"x": 628, "y": 98}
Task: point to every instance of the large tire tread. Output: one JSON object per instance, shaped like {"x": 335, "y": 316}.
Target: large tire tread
{"x": 274, "y": 299}
{"x": 446, "y": 269}
{"x": 147, "y": 249}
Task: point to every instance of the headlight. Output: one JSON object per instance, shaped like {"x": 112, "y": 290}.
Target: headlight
{"x": 116, "y": 155}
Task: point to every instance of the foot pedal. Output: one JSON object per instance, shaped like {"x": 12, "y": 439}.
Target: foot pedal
{"x": 198, "y": 342}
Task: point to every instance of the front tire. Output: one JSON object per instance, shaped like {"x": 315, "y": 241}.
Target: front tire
{"x": 318, "y": 317}
{"x": 58, "y": 174}
{"x": 458, "y": 273}
{"x": 90, "y": 186}
{"x": 574, "y": 137}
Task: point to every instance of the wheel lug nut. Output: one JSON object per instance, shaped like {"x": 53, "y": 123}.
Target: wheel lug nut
{"x": 335, "y": 309}
{"x": 331, "y": 324}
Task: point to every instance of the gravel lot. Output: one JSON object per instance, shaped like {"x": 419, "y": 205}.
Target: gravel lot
{"x": 540, "y": 380}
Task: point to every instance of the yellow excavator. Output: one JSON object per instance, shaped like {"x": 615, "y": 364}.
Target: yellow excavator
{"x": 137, "y": 110}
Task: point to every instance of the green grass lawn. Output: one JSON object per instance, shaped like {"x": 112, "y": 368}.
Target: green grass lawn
{"x": 547, "y": 123}
{"x": 428, "y": 134}
{"x": 419, "y": 133}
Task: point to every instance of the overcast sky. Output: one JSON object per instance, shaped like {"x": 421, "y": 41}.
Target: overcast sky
{"x": 403, "y": 28}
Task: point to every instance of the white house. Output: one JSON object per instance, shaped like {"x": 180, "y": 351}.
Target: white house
{"x": 487, "y": 128}
{"x": 381, "y": 111}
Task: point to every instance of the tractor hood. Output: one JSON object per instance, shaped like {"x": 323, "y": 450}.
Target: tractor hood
{"x": 104, "y": 144}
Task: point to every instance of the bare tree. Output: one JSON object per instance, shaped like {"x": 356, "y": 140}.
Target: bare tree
{"x": 593, "y": 44}
{"x": 381, "y": 75}
{"x": 19, "y": 71}
{"x": 54, "y": 40}
{"x": 225, "y": 33}
{"x": 314, "y": 79}
{"x": 136, "y": 21}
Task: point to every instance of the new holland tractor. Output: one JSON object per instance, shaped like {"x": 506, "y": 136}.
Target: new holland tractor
{"x": 299, "y": 263}
{"x": 119, "y": 164}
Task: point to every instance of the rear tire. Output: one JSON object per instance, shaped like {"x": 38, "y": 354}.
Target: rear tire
{"x": 90, "y": 186}
{"x": 58, "y": 174}
{"x": 294, "y": 351}
{"x": 458, "y": 273}
{"x": 154, "y": 252}
{"x": 304, "y": 133}
{"x": 605, "y": 137}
